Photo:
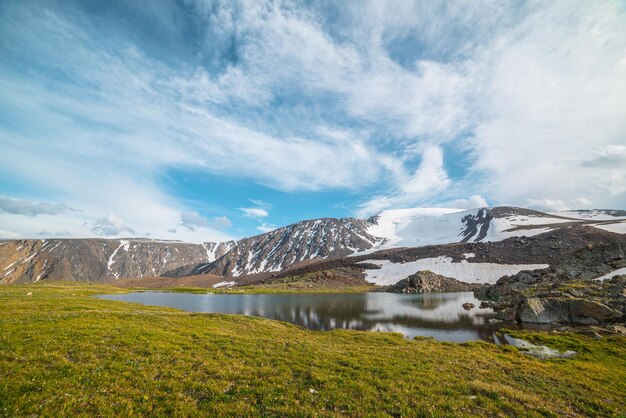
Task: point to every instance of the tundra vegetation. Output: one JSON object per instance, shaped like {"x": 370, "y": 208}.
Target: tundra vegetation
{"x": 64, "y": 352}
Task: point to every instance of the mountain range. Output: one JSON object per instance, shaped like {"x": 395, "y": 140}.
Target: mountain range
{"x": 434, "y": 234}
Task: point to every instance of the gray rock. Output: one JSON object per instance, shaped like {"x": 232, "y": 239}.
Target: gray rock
{"x": 590, "y": 312}
{"x": 544, "y": 311}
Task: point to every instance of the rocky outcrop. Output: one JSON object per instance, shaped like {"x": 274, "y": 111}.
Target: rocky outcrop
{"x": 586, "y": 263}
{"x": 565, "y": 293}
{"x": 575, "y": 302}
{"x": 426, "y": 281}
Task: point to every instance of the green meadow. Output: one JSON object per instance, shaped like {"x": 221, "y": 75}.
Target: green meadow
{"x": 65, "y": 353}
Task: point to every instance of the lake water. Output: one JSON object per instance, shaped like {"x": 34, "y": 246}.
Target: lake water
{"x": 437, "y": 315}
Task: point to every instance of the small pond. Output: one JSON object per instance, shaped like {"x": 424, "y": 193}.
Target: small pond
{"x": 437, "y": 315}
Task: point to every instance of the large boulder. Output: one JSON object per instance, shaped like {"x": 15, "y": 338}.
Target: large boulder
{"x": 544, "y": 311}
{"x": 590, "y": 312}
{"x": 538, "y": 310}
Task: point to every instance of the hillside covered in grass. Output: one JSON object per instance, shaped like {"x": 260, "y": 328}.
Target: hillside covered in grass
{"x": 63, "y": 352}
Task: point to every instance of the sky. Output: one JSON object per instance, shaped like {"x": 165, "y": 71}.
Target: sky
{"x": 202, "y": 120}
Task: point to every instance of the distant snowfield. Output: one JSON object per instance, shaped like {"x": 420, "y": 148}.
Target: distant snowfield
{"x": 418, "y": 226}
{"x": 391, "y": 273}
{"x": 596, "y": 215}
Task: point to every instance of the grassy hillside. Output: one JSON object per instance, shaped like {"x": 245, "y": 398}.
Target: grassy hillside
{"x": 63, "y": 352}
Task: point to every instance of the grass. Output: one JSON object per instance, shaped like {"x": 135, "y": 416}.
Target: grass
{"x": 65, "y": 353}
{"x": 328, "y": 281}
{"x": 286, "y": 288}
{"x": 273, "y": 288}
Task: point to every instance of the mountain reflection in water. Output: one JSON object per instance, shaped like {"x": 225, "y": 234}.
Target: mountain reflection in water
{"x": 437, "y": 315}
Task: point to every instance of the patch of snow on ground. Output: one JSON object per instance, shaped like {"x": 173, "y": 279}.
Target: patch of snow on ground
{"x": 617, "y": 272}
{"x": 617, "y": 227}
{"x": 391, "y": 273}
{"x": 222, "y": 284}
{"x": 469, "y": 255}
{"x": 498, "y": 228}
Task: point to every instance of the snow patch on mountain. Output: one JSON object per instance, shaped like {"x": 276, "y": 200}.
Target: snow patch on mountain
{"x": 112, "y": 260}
{"x": 593, "y": 214}
{"x": 223, "y": 284}
{"x": 417, "y": 227}
{"x": 391, "y": 273}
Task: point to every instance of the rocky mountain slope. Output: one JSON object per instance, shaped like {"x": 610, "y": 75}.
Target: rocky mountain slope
{"x": 95, "y": 260}
{"x": 278, "y": 249}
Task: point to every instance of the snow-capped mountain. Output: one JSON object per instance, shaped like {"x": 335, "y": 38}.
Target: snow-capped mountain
{"x": 329, "y": 237}
{"x": 26, "y": 261}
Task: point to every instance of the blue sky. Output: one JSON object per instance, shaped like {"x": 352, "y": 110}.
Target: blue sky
{"x": 209, "y": 120}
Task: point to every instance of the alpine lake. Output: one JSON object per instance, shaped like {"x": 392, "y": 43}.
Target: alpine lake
{"x": 437, "y": 315}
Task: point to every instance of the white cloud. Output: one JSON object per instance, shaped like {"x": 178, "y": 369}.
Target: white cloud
{"x": 472, "y": 202}
{"x": 581, "y": 202}
{"x": 266, "y": 227}
{"x": 546, "y": 109}
{"x": 192, "y": 219}
{"x": 4, "y": 234}
{"x": 30, "y": 208}
{"x": 428, "y": 179}
{"x": 222, "y": 222}
{"x": 254, "y": 212}
{"x": 558, "y": 204}
{"x": 46, "y": 234}
{"x": 111, "y": 225}
{"x": 260, "y": 210}
{"x": 261, "y": 204}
